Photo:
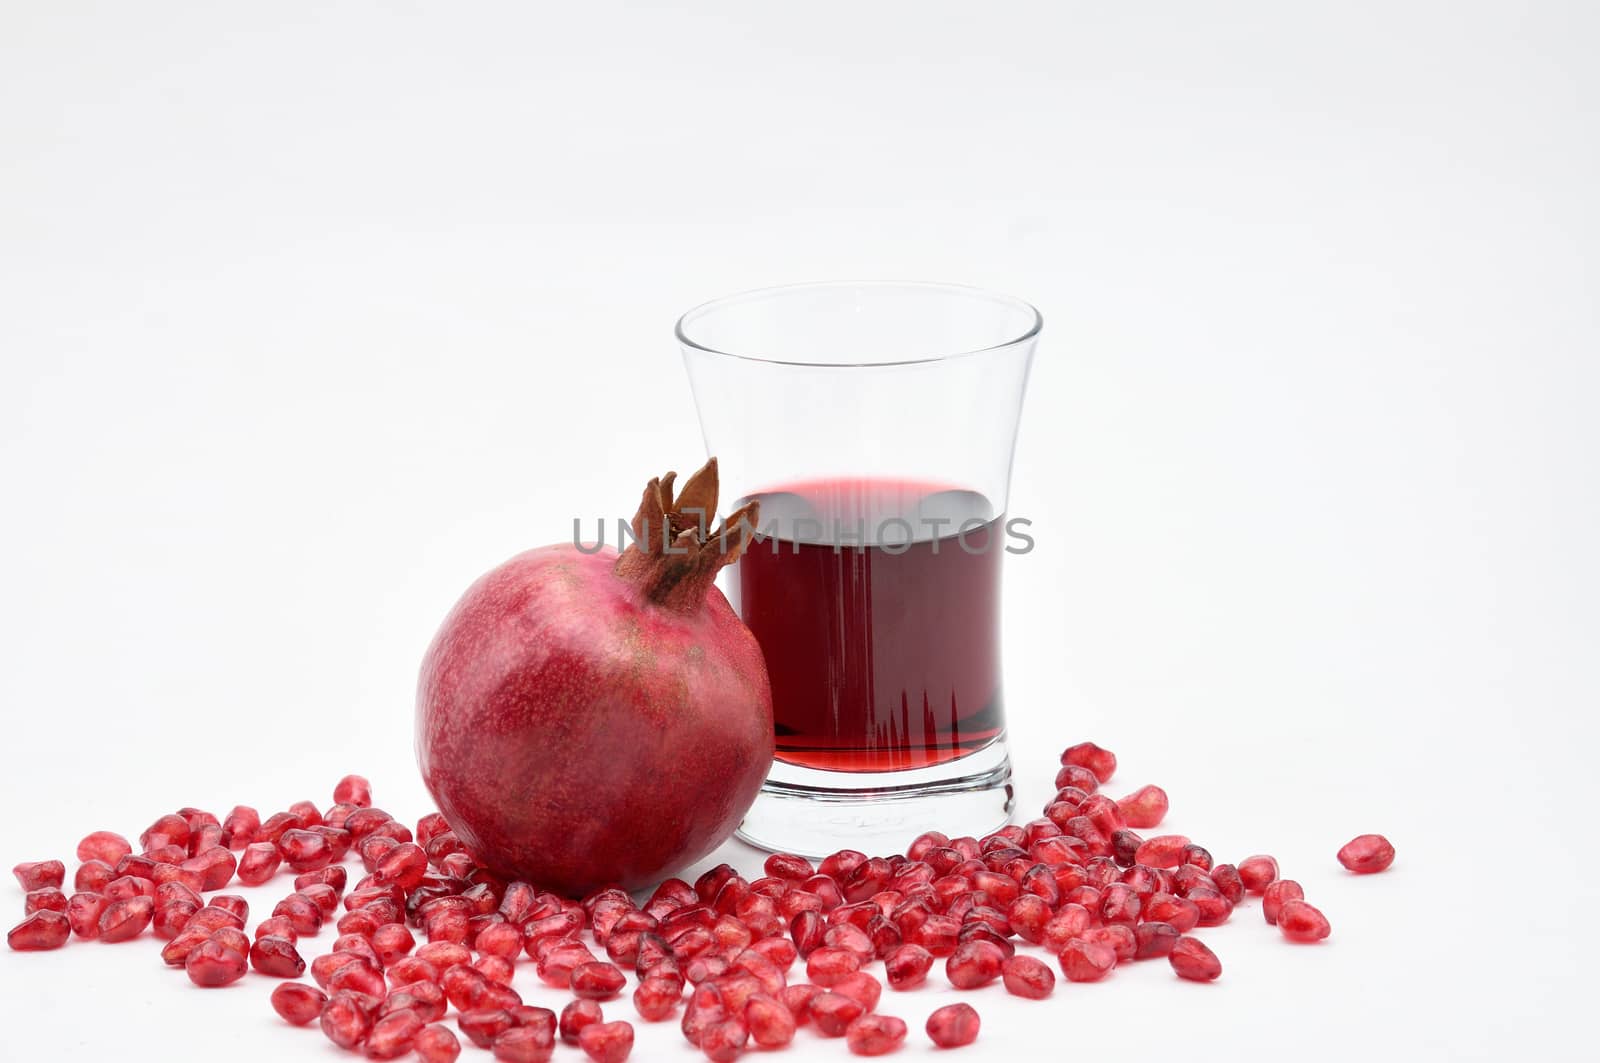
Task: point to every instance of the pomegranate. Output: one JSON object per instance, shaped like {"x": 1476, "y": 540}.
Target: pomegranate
{"x": 596, "y": 718}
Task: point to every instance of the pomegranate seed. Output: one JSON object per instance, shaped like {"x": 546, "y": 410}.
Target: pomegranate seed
{"x": 495, "y": 968}
{"x": 47, "y": 899}
{"x": 305, "y": 850}
{"x": 908, "y": 966}
{"x": 953, "y": 1025}
{"x": 1164, "y": 850}
{"x": 656, "y": 999}
{"x": 1181, "y": 912}
{"x": 1102, "y": 762}
{"x": 1226, "y": 879}
{"x": 334, "y": 877}
{"x": 126, "y": 919}
{"x": 797, "y": 998}
{"x": 1076, "y": 777}
{"x": 483, "y": 1025}
{"x": 1196, "y": 856}
{"x": 344, "y": 1021}
{"x": 789, "y": 867}
{"x": 258, "y": 863}
{"x": 424, "y": 998}
{"x": 106, "y": 846}
{"x": 1365, "y": 855}
{"x": 276, "y": 956}
{"x": 875, "y": 1035}
{"x": 860, "y": 987}
{"x": 92, "y": 876}
{"x": 1154, "y": 939}
{"x": 437, "y": 1044}
{"x": 1256, "y": 873}
{"x": 353, "y": 790}
{"x": 241, "y": 826}
{"x": 1302, "y": 923}
{"x": 974, "y": 964}
{"x": 832, "y": 1013}
{"x": 83, "y": 913}
{"x": 597, "y": 981}
{"x": 575, "y": 1016}
{"x": 808, "y": 930}
{"x": 214, "y": 964}
{"x": 213, "y": 917}
{"x": 1276, "y": 895}
{"x": 1087, "y": 961}
{"x": 404, "y": 866}
{"x": 1026, "y": 976}
{"x": 830, "y": 963}
{"x": 177, "y": 950}
{"x": 392, "y": 942}
{"x": 724, "y": 1040}
{"x": 39, "y": 874}
{"x": 769, "y": 1020}
{"x": 302, "y": 912}
{"x": 43, "y": 929}
{"x": 606, "y": 1042}
{"x": 1146, "y": 807}
{"x": 1191, "y": 959}
{"x": 297, "y": 1002}
{"x": 1213, "y": 907}
{"x": 393, "y": 1035}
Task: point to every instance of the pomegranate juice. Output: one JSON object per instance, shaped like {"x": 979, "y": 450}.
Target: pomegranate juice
{"x": 876, "y": 604}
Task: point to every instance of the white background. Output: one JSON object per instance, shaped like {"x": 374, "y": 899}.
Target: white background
{"x": 309, "y": 313}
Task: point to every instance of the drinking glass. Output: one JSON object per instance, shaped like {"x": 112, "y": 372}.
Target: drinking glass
{"x": 875, "y": 422}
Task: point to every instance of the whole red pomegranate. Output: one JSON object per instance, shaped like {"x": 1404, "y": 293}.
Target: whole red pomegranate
{"x": 597, "y": 719}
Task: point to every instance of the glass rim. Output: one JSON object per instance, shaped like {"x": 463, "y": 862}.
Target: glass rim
{"x": 1035, "y": 321}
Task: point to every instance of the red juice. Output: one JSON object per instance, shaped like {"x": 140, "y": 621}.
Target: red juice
{"x": 876, "y": 604}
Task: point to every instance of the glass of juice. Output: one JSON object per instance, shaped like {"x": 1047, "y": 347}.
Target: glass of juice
{"x": 875, "y": 422}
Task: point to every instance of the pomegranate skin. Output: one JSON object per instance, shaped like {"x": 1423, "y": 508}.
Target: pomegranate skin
{"x": 576, "y": 735}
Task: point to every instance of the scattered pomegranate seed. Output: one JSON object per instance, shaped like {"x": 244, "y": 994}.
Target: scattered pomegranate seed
{"x": 1365, "y": 855}
{"x": 258, "y": 863}
{"x": 39, "y": 874}
{"x": 126, "y": 919}
{"x": 606, "y": 1042}
{"x": 953, "y": 1025}
{"x": 769, "y": 1020}
{"x": 1080, "y": 882}
{"x": 353, "y": 790}
{"x": 597, "y": 981}
{"x": 875, "y": 1035}
{"x": 103, "y": 845}
{"x": 344, "y": 1020}
{"x": 974, "y": 964}
{"x": 1087, "y": 961}
{"x": 1102, "y": 762}
{"x": 437, "y": 1044}
{"x": 1154, "y": 939}
{"x": 1193, "y": 960}
{"x": 1146, "y": 807}
{"x": 44, "y": 929}
{"x": 1164, "y": 850}
{"x": 1302, "y": 923}
{"x": 298, "y": 1003}
{"x": 393, "y": 1035}
{"x": 832, "y": 1013}
{"x": 1275, "y": 893}
{"x": 575, "y": 1016}
{"x": 1025, "y": 976}
{"x": 214, "y": 964}
{"x": 276, "y": 956}
{"x": 1256, "y": 873}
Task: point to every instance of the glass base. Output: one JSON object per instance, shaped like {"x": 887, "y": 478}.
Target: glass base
{"x": 814, "y": 813}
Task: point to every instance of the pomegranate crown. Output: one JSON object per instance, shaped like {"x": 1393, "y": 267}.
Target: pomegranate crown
{"x": 674, "y": 557}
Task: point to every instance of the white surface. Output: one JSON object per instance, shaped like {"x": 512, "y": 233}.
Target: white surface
{"x": 310, "y": 313}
